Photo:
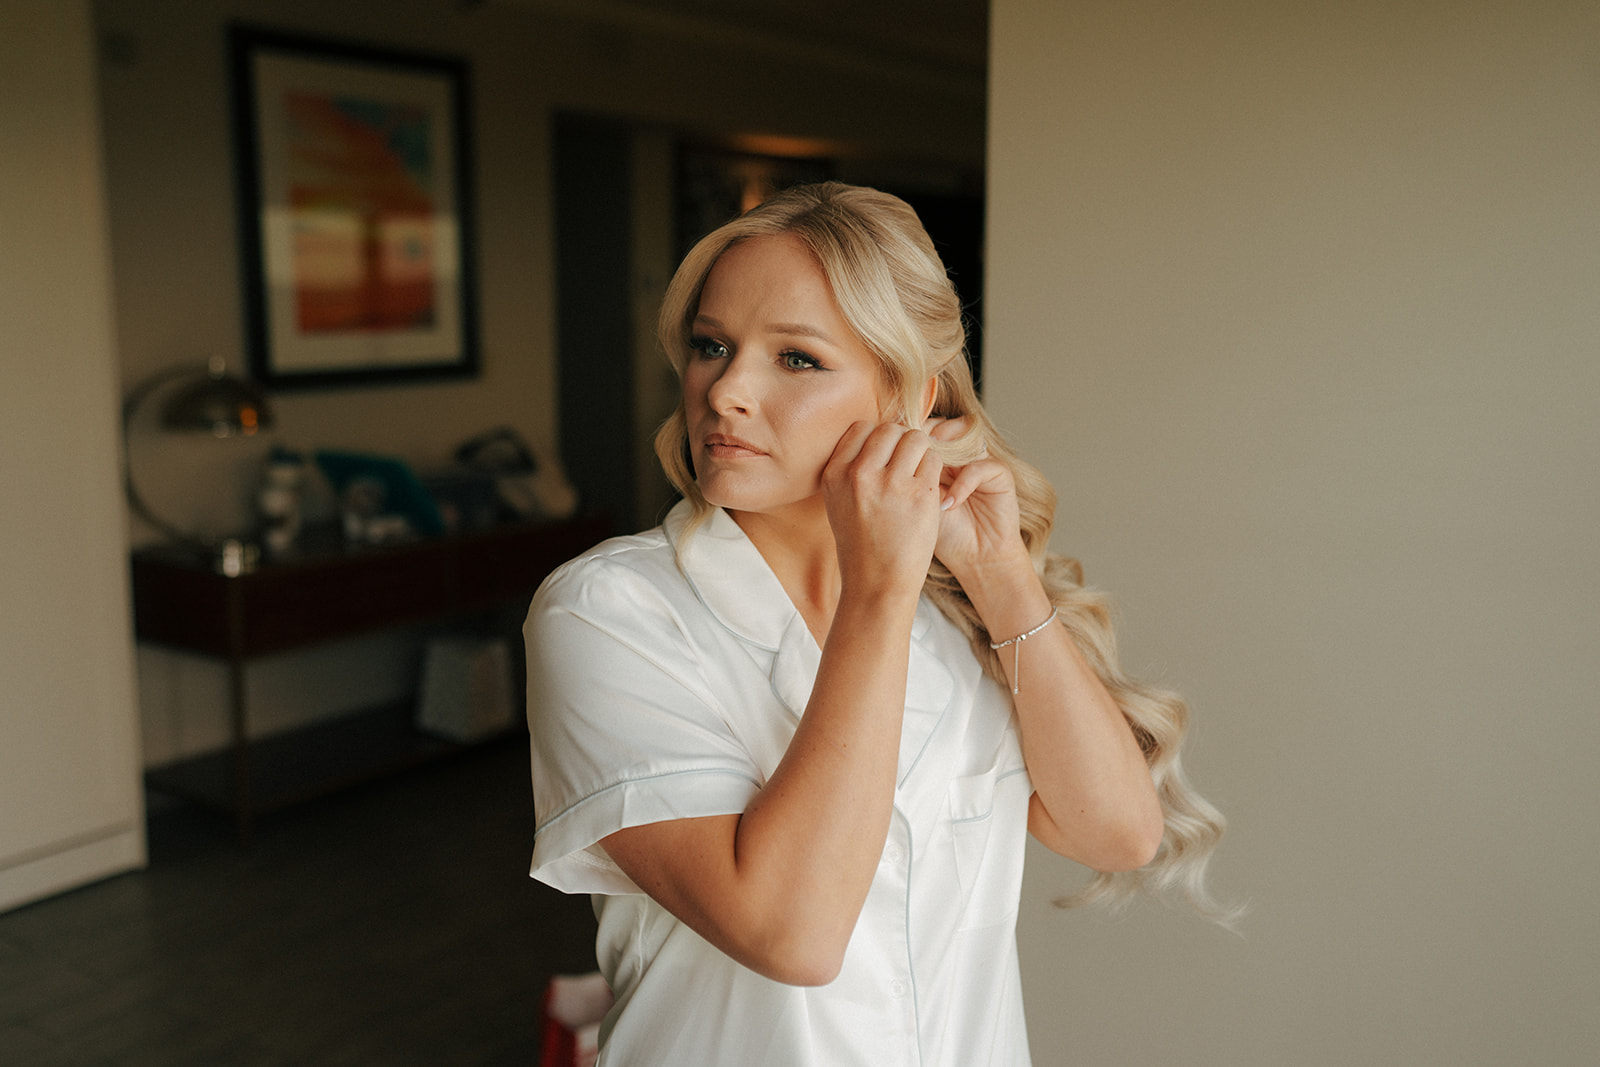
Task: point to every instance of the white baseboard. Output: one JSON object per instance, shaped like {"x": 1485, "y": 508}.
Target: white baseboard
{"x": 83, "y": 859}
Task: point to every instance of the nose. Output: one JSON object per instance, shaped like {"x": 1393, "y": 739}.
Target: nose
{"x": 733, "y": 390}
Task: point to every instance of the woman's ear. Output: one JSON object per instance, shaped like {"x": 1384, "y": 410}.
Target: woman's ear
{"x": 930, "y": 393}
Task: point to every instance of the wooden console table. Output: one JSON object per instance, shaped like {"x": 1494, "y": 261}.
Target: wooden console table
{"x": 181, "y": 602}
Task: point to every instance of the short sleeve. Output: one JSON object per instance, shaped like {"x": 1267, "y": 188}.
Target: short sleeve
{"x": 624, "y": 728}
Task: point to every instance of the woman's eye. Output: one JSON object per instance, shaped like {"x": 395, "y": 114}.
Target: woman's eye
{"x": 799, "y": 361}
{"x": 709, "y": 348}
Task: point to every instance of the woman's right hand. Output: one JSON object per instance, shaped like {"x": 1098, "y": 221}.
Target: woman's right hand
{"x": 881, "y": 489}
{"x": 780, "y": 887}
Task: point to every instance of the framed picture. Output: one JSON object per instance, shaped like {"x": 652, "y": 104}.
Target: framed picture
{"x": 355, "y": 211}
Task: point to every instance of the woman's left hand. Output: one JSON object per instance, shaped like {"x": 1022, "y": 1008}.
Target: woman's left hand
{"x": 979, "y": 524}
{"x": 1094, "y": 800}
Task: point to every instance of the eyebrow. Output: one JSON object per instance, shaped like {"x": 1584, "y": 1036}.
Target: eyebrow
{"x": 781, "y": 329}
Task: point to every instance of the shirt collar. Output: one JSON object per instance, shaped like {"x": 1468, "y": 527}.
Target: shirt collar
{"x": 731, "y": 578}
{"x": 736, "y": 585}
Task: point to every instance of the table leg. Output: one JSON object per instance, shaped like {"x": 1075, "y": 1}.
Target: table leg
{"x": 241, "y": 728}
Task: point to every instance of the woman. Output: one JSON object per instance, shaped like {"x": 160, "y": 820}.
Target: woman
{"x": 793, "y": 740}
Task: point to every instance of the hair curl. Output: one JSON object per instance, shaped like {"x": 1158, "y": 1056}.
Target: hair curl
{"x": 893, "y": 290}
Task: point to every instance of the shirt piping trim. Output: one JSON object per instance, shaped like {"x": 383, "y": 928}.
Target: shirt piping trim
{"x": 580, "y": 802}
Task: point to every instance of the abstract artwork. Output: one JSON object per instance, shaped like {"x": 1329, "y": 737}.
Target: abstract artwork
{"x": 355, "y": 215}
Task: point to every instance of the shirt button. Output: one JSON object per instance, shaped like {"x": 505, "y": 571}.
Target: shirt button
{"x": 891, "y": 854}
{"x": 897, "y": 989}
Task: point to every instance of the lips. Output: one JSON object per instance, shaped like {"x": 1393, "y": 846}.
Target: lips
{"x": 722, "y": 444}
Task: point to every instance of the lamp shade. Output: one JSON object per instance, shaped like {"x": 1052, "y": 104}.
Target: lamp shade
{"x": 218, "y": 403}
{"x": 211, "y": 400}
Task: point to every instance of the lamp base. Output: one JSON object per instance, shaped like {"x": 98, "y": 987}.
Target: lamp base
{"x": 234, "y": 557}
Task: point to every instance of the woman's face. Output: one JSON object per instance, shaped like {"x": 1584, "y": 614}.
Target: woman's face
{"x": 775, "y": 378}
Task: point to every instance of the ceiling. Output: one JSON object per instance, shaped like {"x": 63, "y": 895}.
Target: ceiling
{"x": 931, "y": 37}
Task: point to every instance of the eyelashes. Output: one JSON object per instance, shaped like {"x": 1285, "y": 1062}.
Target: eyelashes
{"x": 709, "y": 347}
{"x": 794, "y": 359}
{"x": 790, "y": 358}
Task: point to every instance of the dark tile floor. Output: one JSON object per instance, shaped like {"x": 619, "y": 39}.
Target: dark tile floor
{"x": 391, "y": 925}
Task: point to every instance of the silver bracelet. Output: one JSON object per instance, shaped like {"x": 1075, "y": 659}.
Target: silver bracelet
{"x": 1016, "y": 657}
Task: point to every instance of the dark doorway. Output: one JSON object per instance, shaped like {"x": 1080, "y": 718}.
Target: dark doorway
{"x": 594, "y": 322}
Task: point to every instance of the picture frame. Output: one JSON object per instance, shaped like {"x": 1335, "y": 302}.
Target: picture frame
{"x": 355, "y": 211}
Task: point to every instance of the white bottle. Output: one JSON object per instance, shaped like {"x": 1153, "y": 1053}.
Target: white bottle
{"x": 278, "y": 500}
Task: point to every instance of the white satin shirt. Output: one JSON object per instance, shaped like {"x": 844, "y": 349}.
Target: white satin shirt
{"x": 666, "y": 676}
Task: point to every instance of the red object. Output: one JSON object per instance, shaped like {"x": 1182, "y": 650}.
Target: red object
{"x": 574, "y": 1005}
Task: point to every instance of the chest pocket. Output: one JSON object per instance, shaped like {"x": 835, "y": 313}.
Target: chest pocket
{"x": 989, "y": 830}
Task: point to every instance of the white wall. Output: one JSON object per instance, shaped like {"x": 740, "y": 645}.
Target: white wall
{"x": 70, "y": 807}
{"x": 1299, "y": 306}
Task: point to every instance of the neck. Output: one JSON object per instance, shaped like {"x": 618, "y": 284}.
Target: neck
{"x": 798, "y": 545}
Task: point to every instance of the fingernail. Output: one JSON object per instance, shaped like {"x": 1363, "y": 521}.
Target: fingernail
{"x": 947, "y": 503}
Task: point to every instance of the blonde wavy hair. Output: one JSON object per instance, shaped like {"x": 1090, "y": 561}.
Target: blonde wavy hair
{"x": 892, "y": 289}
